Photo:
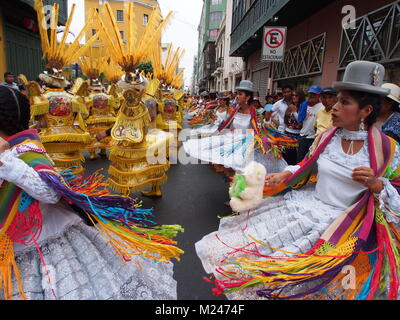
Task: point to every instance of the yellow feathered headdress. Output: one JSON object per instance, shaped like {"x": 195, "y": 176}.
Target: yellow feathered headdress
{"x": 177, "y": 80}
{"x": 137, "y": 48}
{"x": 59, "y": 54}
{"x": 93, "y": 63}
{"x": 166, "y": 72}
{"x": 112, "y": 71}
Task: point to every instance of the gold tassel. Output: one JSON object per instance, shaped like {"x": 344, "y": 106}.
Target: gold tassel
{"x": 62, "y": 147}
{"x": 129, "y": 153}
{"x": 67, "y": 137}
{"x": 78, "y": 107}
{"x": 67, "y": 162}
{"x": 106, "y": 121}
{"x": 128, "y": 189}
{"x": 40, "y": 109}
{"x": 149, "y": 171}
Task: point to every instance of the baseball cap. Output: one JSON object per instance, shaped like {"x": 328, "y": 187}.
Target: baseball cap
{"x": 315, "y": 88}
{"x": 329, "y": 90}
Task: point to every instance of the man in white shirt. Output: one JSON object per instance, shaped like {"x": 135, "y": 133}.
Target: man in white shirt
{"x": 308, "y": 132}
{"x": 280, "y": 107}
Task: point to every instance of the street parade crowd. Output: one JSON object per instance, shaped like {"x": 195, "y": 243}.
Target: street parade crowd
{"x": 313, "y": 178}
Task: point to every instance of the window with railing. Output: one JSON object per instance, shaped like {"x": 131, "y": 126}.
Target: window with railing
{"x": 374, "y": 38}
{"x": 305, "y": 59}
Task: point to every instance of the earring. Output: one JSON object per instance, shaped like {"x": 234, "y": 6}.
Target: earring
{"x": 362, "y": 125}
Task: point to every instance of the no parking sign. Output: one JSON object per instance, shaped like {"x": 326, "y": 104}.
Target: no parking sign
{"x": 274, "y": 42}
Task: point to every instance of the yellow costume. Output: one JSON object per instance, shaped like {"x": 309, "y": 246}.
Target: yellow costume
{"x": 133, "y": 144}
{"x": 101, "y": 106}
{"x": 59, "y": 113}
{"x": 169, "y": 118}
{"x": 179, "y": 96}
{"x": 138, "y": 156}
{"x": 113, "y": 73}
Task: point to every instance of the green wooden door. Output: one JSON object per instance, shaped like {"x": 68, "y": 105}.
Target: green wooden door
{"x": 23, "y": 52}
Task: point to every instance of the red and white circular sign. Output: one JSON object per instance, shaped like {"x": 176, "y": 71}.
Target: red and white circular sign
{"x": 274, "y": 38}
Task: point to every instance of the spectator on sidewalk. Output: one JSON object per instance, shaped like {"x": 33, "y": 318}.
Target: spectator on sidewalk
{"x": 292, "y": 126}
{"x": 323, "y": 118}
{"x": 307, "y": 117}
{"x": 281, "y": 106}
{"x": 9, "y": 81}
{"x": 389, "y": 114}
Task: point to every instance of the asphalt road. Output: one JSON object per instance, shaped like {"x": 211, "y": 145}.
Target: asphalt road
{"x": 193, "y": 197}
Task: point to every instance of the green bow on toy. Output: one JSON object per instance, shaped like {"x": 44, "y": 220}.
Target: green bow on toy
{"x": 238, "y": 186}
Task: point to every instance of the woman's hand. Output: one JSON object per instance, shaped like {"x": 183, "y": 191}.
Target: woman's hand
{"x": 3, "y": 145}
{"x": 366, "y": 177}
{"x": 274, "y": 179}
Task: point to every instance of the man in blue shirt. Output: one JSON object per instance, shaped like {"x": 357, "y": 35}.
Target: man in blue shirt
{"x": 270, "y": 103}
{"x": 307, "y": 118}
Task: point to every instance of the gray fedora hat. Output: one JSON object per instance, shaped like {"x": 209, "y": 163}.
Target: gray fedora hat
{"x": 245, "y": 85}
{"x": 363, "y": 76}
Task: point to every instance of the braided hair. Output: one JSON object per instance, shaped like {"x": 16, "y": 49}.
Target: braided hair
{"x": 14, "y": 111}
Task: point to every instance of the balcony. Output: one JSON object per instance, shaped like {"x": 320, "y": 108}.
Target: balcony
{"x": 246, "y": 23}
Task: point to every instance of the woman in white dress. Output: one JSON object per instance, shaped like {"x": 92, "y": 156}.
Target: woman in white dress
{"x": 60, "y": 240}
{"x": 295, "y": 245}
{"x": 232, "y": 146}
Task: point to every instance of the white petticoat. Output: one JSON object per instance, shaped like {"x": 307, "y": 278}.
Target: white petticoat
{"x": 234, "y": 149}
{"x": 293, "y": 222}
{"x": 83, "y": 266}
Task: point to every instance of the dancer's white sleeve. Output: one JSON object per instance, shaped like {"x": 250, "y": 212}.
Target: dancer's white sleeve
{"x": 389, "y": 198}
{"x": 16, "y": 171}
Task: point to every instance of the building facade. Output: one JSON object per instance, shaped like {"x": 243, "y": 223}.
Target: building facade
{"x": 142, "y": 9}
{"x": 209, "y": 29}
{"x": 193, "y": 86}
{"x": 229, "y": 70}
{"x": 20, "y": 45}
{"x": 319, "y": 45}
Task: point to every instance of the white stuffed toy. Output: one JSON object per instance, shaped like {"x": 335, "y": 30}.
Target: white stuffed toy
{"x": 248, "y": 188}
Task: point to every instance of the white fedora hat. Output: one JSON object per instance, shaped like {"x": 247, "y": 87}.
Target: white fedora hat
{"x": 394, "y": 91}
